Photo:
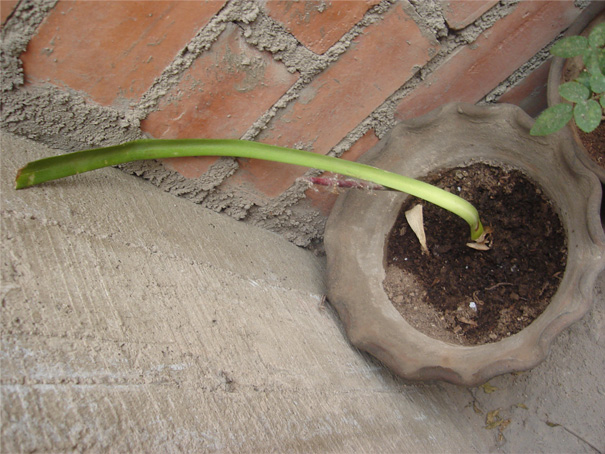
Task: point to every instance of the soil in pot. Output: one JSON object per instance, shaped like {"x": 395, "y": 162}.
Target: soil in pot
{"x": 594, "y": 142}
{"x": 470, "y": 297}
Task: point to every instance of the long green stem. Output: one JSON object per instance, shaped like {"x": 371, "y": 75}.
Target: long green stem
{"x": 52, "y": 168}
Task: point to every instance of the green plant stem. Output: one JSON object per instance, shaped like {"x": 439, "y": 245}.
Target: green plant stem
{"x": 52, "y": 168}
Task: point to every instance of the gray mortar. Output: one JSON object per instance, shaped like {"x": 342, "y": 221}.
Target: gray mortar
{"x": 68, "y": 121}
{"x": 65, "y": 120}
{"x": 15, "y": 35}
{"x": 431, "y": 16}
{"x": 583, "y": 3}
{"x": 236, "y": 10}
{"x": 471, "y": 32}
{"x": 61, "y": 119}
{"x": 299, "y": 59}
{"x": 518, "y": 76}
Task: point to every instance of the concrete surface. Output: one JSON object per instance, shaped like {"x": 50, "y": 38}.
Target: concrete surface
{"x": 136, "y": 321}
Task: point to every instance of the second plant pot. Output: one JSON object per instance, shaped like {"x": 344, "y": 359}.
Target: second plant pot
{"x": 564, "y": 70}
{"x": 357, "y": 230}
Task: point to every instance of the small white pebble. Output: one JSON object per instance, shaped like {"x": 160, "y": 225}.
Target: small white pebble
{"x": 473, "y": 306}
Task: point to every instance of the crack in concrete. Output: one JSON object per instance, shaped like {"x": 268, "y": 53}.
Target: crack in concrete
{"x": 576, "y": 435}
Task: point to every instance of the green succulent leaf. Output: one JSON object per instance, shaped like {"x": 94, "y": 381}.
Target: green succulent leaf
{"x": 552, "y": 119}
{"x": 597, "y": 83}
{"x": 591, "y": 61}
{"x": 571, "y": 46}
{"x": 587, "y": 115}
{"x": 584, "y": 79}
{"x": 574, "y": 92}
{"x": 597, "y": 36}
{"x": 602, "y": 101}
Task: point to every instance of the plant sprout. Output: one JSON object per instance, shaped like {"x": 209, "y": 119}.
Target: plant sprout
{"x": 585, "y": 92}
{"x": 55, "y": 167}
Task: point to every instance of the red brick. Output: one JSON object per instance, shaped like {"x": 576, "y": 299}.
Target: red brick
{"x": 530, "y": 93}
{"x": 460, "y": 13}
{"x": 474, "y": 70}
{"x": 112, "y": 50}
{"x": 323, "y": 198}
{"x": 343, "y": 95}
{"x": 6, "y": 7}
{"x": 261, "y": 179}
{"x": 318, "y": 24}
{"x": 220, "y": 96}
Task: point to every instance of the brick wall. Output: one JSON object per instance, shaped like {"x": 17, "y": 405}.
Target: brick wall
{"x": 327, "y": 76}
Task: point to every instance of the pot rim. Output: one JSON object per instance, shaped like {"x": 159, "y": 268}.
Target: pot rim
{"x": 518, "y": 352}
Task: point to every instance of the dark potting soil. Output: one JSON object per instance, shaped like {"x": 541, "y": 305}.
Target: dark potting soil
{"x": 594, "y": 143}
{"x": 470, "y": 297}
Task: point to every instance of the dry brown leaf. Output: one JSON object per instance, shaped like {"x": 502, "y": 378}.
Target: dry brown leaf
{"x": 479, "y": 246}
{"x": 503, "y": 424}
{"x": 492, "y": 419}
{"x": 416, "y": 222}
{"x": 484, "y": 242}
{"x": 488, "y": 389}
{"x": 466, "y": 320}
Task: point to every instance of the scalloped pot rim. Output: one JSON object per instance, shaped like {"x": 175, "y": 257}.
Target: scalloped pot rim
{"x": 458, "y": 134}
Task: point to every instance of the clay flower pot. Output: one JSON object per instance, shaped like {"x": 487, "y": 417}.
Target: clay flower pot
{"x": 563, "y": 70}
{"x": 356, "y": 234}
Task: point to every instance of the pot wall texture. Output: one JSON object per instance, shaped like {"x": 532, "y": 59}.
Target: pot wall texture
{"x": 331, "y": 77}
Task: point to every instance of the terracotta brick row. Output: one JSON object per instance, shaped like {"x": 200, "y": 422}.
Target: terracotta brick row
{"x": 112, "y": 51}
{"x": 6, "y": 8}
{"x": 461, "y": 13}
{"x": 319, "y": 24}
{"x": 220, "y": 96}
{"x": 474, "y": 70}
{"x": 530, "y": 93}
{"x": 379, "y": 61}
